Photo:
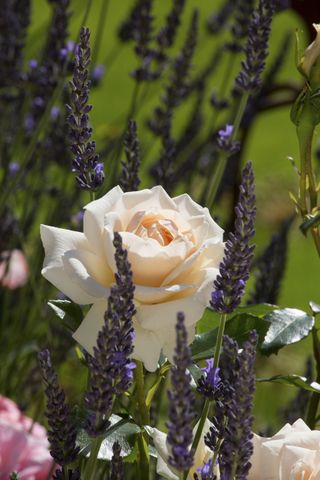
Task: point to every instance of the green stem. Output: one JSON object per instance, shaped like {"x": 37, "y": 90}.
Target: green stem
{"x": 223, "y": 157}
{"x": 144, "y": 419}
{"x": 308, "y": 189}
{"x": 92, "y": 196}
{"x": 90, "y": 468}
{"x": 315, "y": 397}
{"x": 207, "y": 403}
{"x": 217, "y": 350}
{"x": 99, "y": 30}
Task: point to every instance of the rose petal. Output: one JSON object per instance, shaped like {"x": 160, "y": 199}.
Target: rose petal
{"x": 75, "y": 262}
{"x": 93, "y": 220}
{"x": 189, "y": 207}
{"x": 147, "y": 347}
{"x": 14, "y": 272}
{"x": 56, "y": 242}
{"x": 210, "y": 254}
{"x": 163, "y": 317}
{"x": 152, "y": 295}
{"x": 150, "y": 261}
{"x": 87, "y": 333}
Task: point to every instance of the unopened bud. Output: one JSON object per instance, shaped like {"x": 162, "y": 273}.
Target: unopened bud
{"x": 310, "y": 62}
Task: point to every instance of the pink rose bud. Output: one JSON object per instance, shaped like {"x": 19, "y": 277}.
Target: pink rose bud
{"x": 14, "y": 269}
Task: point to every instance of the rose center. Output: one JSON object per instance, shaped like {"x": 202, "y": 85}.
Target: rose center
{"x": 160, "y": 229}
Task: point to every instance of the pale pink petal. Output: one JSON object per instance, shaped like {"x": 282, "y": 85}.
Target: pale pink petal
{"x": 14, "y": 272}
{"x": 151, "y": 263}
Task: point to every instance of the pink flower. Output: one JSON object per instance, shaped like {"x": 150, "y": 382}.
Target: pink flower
{"x": 23, "y": 445}
{"x": 14, "y": 270}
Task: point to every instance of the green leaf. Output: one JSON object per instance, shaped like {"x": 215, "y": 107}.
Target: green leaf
{"x": 293, "y": 381}
{"x": 121, "y": 430}
{"x": 238, "y": 327}
{"x": 287, "y": 326}
{"x": 70, "y": 313}
{"x": 208, "y": 321}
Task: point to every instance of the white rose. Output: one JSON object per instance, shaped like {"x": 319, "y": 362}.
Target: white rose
{"x": 174, "y": 248}
{"x": 292, "y": 454}
{"x": 202, "y": 455}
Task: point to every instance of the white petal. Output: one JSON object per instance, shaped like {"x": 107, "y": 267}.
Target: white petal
{"x": 149, "y": 295}
{"x": 86, "y": 335}
{"x": 210, "y": 254}
{"x": 56, "y": 242}
{"x": 93, "y": 220}
{"x": 74, "y": 263}
{"x": 189, "y": 207}
{"x": 147, "y": 347}
{"x": 162, "y": 317}
{"x": 160, "y": 442}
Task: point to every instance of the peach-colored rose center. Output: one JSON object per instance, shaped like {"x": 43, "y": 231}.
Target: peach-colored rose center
{"x": 153, "y": 226}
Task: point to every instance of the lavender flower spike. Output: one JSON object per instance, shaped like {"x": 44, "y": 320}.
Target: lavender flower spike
{"x": 62, "y": 432}
{"x": 181, "y": 411}
{"x": 234, "y": 269}
{"x": 110, "y": 367}
{"x": 129, "y": 180}
{"x": 237, "y": 369}
{"x": 256, "y": 49}
{"x": 90, "y": 175}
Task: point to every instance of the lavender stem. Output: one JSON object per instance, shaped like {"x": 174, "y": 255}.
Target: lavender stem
{"x": 223, "y": 157}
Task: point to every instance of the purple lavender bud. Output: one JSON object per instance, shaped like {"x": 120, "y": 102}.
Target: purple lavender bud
{"x": 256, "y": 49}
{"x": 224, "y": 140}
{"x": 33, "y": 64}
{"x": 110, "y": 366}
{"x": 90, "y": 175}
{"x": 55, "y": 112}
{"x": 239, "y": 28}
{"x": 13, "y": 168}
{"x": 97, "y": 74}
{"x": 234, "y": 269}
{"x": 205, "y": 472}
{"x": 129, "y": 180}
{"x": 62, "y": 432}
{"x": 181, "y": 410}
{"x": 210, "y": 383}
